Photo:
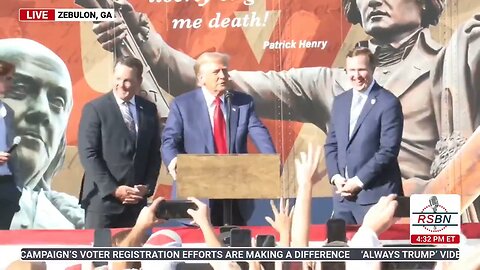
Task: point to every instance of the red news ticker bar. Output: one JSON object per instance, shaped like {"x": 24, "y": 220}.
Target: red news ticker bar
{"x": 36, "y": 14}
{"x": 428, "y": 239}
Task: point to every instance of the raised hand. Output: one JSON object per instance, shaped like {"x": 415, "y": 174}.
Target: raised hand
{"x": 201, "y": 216}
{"x": 306, "y": 165}
{"x": 282, "y": 219}
{"x": 147, "y": 218}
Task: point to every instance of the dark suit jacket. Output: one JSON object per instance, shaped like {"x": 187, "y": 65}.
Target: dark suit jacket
{"x": 10, "y": 125}
{"x": 9, "y": 191}
{"x": 111, "y": 157}
{"x": 188, "y": 128}
{"x": 371, "y": 152}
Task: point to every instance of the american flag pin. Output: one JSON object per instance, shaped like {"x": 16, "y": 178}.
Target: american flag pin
{"x": 372, "y": 101}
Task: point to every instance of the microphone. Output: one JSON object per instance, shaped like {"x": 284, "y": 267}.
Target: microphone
{"x": 228, "y": 95}
{"x": 434, "y": 203}
{"x": 16, "y": 142}
{"x": 228, "y": 106}
{"x": 228, "y": 204}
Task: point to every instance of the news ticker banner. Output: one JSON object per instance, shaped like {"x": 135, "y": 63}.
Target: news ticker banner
{"x": 240, "y": 254}
{"x": 435, "y": 219}
{"x": 66, "y": 14}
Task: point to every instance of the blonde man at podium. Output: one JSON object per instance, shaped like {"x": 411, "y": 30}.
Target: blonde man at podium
{"x": 198, "y": 124}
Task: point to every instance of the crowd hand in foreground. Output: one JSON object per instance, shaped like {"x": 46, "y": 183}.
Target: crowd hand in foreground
{"x": 282, "y": 220}
{"x": 380, "y": 217}
{"x": 305, "y": 167}
{"x": 136, "y": 237}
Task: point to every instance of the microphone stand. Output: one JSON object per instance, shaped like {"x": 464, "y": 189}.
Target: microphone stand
{"x": 228, "y": 203}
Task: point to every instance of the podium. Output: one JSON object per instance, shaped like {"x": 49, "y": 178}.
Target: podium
{"x": 227, "y": 177}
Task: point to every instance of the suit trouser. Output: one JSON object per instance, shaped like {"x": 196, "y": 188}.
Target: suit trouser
{"x": 124, "y": 219}
{"x": 9, "y": 198}
{"x": 217, "y": 209}
{"x": 241, "y": 212}
{"x": 350, "y": 211}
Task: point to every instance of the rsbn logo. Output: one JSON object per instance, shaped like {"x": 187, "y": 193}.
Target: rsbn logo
{"x": 435, "y": 218}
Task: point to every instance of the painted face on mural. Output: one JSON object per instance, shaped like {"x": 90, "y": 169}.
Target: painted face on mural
{"x": 41, "y": 96}
{"x": 384, "y": 18}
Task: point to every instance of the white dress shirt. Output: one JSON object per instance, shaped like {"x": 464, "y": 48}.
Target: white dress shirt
{"x": 210, "y": 99}
{"x": 4, "y": 170}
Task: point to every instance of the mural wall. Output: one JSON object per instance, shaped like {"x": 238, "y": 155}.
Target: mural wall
{"x": 288, "y": 54}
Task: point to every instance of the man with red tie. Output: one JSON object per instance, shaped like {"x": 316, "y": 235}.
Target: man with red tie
{"x": 197, "y": 124}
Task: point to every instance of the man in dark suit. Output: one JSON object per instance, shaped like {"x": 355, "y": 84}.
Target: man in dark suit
{"x": 9, "y": 193}
{"x": 197, "y": 124}
{"x": 119, "y": 145}
{"x": 363, "y": 141}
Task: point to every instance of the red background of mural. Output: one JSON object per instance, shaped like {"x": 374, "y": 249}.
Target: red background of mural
{"x": 300, "y": 19}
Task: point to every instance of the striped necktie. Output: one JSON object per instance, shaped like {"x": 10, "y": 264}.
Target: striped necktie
{"x": 128, "y": 118}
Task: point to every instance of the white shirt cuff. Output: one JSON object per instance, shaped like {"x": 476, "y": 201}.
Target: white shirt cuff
{"x": 172, "y": 166}
{"x": 357, "y": 181}
{"x": 335, "y": 177}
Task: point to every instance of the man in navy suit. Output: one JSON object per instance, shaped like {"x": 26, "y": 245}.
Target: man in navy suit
{"x": 363, "y": 141}
{"x": 196, "y": 124}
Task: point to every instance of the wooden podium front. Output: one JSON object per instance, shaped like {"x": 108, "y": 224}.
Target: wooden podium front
{"x": 234, "y": 176}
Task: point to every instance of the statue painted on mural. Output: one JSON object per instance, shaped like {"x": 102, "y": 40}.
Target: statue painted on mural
{"x": 41, "y": 97}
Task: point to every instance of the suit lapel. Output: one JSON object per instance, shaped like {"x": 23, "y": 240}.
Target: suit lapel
{"x": 233, "y": 124}
{"x": 346, "y": 116}
{"x": 367, "y": 107}
{"x": 9, "y": 118}
{"x": 141, "y": 119}
{"x": 10, "y": 130}
{"x": 200, "y": 108}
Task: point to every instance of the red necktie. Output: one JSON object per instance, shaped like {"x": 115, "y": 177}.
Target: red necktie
{"x": 219, "y": 128}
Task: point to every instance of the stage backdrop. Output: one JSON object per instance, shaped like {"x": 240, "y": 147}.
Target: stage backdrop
{"x": 288, "y": 54}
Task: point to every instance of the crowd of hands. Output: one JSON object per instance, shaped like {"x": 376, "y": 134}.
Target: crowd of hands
{"x": 292, "y": 223}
